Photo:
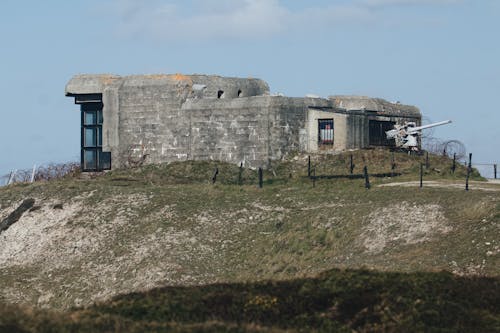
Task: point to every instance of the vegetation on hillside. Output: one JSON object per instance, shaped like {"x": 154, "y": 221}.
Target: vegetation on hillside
{"x": 88, "y": 239}
{"x": 335, "y": 301}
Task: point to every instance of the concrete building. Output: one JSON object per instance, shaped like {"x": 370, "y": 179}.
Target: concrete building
{"x": 128, "y": 121}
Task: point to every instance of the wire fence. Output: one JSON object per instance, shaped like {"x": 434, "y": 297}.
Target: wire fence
{"x": 40, "y": 173}
{"x": 487, "y": 170}
{"x": 54, "y": 171}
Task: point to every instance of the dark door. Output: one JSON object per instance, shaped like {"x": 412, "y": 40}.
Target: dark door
{"x": 377, "y": 134}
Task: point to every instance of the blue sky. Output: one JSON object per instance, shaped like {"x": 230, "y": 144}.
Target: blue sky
{"x": 440, "y": 55}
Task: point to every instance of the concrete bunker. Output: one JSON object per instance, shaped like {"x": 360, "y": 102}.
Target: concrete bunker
{"x": 142, "y": 119}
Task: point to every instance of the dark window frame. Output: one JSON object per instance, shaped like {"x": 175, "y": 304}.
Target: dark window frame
{"x": 376, "y": 133}
{"x": 102, "y": 159}
{"x": 322, "y": 125}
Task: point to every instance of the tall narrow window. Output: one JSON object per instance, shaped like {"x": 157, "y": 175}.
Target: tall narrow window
{"x": 93, "y": 158}
{"x": 325, "y": 131}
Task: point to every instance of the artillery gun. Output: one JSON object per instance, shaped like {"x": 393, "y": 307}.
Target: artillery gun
{"x": 405, "y": 136}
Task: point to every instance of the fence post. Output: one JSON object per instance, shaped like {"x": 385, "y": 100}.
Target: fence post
{"x": 495, "y": 170}
{"x": 393, "y": 164}
{"x": 367, "y": 180}
{"x": 214, "y": 178}
{"x": 454, "y": 165}
{"x": 261, "y": 181}
{"x": 421, "y": 175}
{"x": 314, "y": 177}
{"x": 33, "y": 174}
{"x": 469, "y": 169}
{"x": 12, "y": 177}
{"x": 351, "y": 167}
{"x": 240, "y": 173}
{"x": 309, "y": 166}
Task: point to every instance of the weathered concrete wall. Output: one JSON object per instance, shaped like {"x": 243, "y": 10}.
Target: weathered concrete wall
{"x": 233, "y": 130}
{"x": 287, "y": 118}
{"x": 147, "y": 117}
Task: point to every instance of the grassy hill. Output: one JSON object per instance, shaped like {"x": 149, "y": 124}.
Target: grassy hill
{"x": 89, "y": 239}
{"x": 335, "y": 301}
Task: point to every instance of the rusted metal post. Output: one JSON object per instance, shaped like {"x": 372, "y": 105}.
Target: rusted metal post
{"x": 421, "y": 175}
{"x": 214, "y": 178}
{"x": 454, "y": 165}
{"x": 261, "y": 176}
{"x": 393, "y": 164}
{"x": 367, "y": 179}
{"x": 309, "y": 166}
{"x": 495, "y": 170}
{"x": 469, "y": 169}
{"x": 351, "y": 167}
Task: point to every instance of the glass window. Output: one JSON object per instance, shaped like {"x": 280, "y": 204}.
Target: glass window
{"x": 89, "y": 160}
{"x": 104, "y": 160}
{"x": 89, "y": 118}
{"x": 90, "y": 137}
{"x": 93, "y": 158}
{"x": 99, "y": 136}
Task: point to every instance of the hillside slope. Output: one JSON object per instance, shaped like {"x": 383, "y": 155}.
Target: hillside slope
{"x": 334, "y": 301}
{"x": 88, "y": 240}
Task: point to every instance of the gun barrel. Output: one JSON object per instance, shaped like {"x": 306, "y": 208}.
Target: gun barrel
{"x": 419, "y": 128}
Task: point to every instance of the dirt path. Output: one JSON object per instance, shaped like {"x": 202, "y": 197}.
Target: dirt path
{"x": 492, "y": 185}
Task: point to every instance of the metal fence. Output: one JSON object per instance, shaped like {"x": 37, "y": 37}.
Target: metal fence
{"x": 487, "y": 170}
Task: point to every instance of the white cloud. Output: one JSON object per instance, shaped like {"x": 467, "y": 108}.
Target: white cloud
{"x": 236, "y": 19}
{"x": 227, "y": 19}
{"x": 379, "y": 3}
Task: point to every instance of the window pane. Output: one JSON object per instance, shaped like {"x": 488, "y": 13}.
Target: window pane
{"x": 90, "y": 137}
{"x": 99, "y": 136}
{"x": 104, "y": 160}
{"x": 99, "y": 117}
{"x": 89, "y": 160}
{"x": 89, "y": 118}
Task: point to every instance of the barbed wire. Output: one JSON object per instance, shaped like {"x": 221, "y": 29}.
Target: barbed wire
{"x": 42, "y": 173}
